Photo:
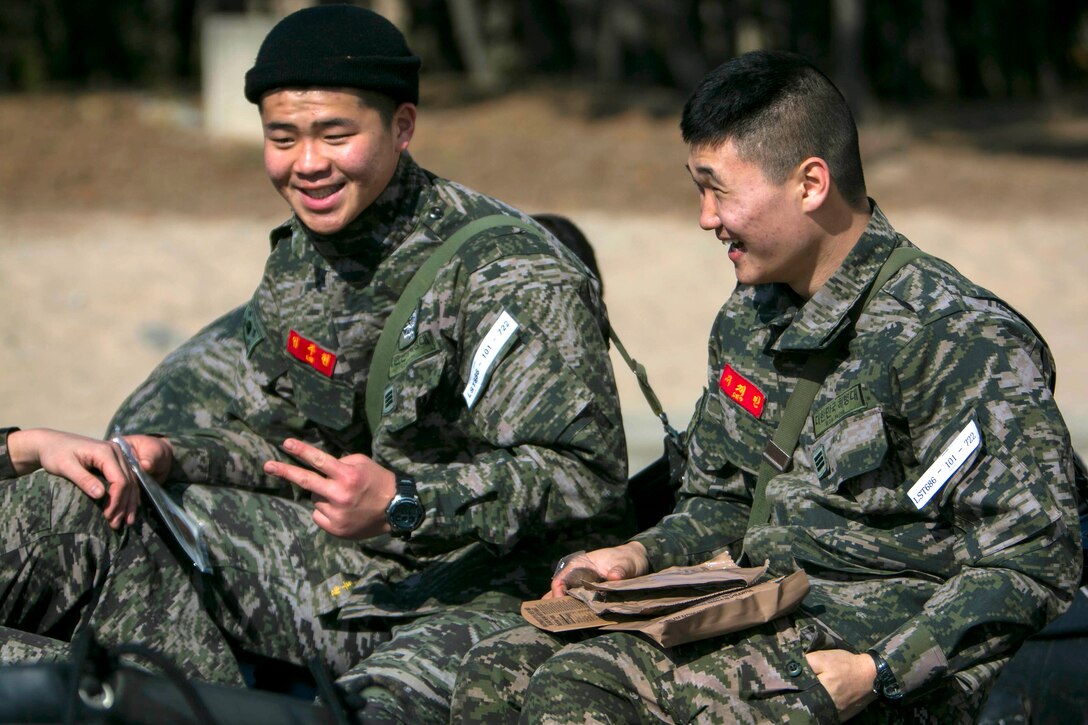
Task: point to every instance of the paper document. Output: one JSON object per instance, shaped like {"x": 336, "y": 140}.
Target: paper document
{"x": 186, "y": 531}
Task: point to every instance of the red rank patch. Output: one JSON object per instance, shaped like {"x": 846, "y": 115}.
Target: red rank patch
{"x": 742, "y": 391}
{"x": 310, "y": 353}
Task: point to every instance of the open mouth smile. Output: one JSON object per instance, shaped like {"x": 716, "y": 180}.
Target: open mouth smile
{"x": 323, "y": 192}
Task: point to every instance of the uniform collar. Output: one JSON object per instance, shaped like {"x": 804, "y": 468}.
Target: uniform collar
{"x": 816, "y": 323}
{"x": 382, "y": 226}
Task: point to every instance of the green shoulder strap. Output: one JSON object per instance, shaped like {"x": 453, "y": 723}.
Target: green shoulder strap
{"x": 378, "y": 377}
{"x": 778, "y": 455}
{"x": 643, "y": 383}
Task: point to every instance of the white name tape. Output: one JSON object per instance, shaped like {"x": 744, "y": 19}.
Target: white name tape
{"x": 496, "y": 340}
{"x": 948, "y": 463}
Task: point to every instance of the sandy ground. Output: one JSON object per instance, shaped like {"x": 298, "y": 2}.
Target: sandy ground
{"x": 123, "y": 230}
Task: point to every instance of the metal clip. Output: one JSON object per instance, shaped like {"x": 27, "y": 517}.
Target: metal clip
{"x": 778, "y": 458}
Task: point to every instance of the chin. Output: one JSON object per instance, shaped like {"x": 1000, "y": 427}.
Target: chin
{"x": 322, "y": 225}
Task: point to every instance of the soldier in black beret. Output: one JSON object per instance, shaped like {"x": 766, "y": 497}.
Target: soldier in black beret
{"x": 380, "y": 483}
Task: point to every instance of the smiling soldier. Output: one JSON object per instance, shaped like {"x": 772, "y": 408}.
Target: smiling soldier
{"x": 871, "y": 418}
{"x": 380, "y": 507}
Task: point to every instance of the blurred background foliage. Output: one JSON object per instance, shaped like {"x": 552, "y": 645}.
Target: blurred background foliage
{"x": 880, "y": 52}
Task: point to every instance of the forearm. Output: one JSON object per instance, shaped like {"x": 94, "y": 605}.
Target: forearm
{"x": 698, "y": 529}
{"x": 506, "y": 495}
{"x": 230, "y": 457}
{"x": 980, "y": 614}
{"x": 712, "y": 510}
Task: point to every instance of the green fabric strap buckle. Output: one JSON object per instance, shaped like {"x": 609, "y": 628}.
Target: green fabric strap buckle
{"x": 778, "y": 455}
{"x": 378, "y": 376}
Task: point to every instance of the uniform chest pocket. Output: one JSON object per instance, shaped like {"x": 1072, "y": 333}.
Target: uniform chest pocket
{"x": 414, "y": 376}
{"x": 325, "y": 401}
{"x": 851, "y": 452}
{"x": 726, "y": 435}
{"x": 259, "y": 373}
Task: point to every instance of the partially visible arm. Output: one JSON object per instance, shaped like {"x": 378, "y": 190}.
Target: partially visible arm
{"x": 189, "y": 399}
{"x": 7, "y": 466}
{"x": 82, "y": 461}
{"x": 543, "y": 445}
{"x": 1012, "y": 511}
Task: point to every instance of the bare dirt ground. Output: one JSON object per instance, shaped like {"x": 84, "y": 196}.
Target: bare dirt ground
{"x": 123, "y": 228}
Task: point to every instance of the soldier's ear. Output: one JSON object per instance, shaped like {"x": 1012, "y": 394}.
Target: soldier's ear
{"x": 404, "y": 125}
{"x": 813, "y": 178}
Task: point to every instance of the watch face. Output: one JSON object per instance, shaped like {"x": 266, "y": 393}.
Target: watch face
{"x": 404, "y": 514}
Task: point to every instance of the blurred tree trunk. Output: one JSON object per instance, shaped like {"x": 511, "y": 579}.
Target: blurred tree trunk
{"x": 847, "y": 23}
{"x": 938, "y": 63}
{"x": 469, "y": 34}
{"x": 395, "y": 11}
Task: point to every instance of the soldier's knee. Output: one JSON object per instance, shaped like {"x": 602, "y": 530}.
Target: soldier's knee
{"x": 380, "y": 702}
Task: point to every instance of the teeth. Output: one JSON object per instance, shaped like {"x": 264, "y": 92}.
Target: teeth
{"x": 322, "y": 192}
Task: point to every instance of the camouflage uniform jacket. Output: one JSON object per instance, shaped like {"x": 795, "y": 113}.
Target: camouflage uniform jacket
{"x": 538, "y": 457}
{"x": 944, "y": 590}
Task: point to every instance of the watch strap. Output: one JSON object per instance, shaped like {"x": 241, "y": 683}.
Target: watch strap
{"x": 885, "y": 685}
{"x": 406, "y": 486}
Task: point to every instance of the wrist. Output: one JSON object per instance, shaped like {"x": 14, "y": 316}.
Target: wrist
{"x": 404, "y": 513}
{"x": 885, "y": 685}
{"x": 25, "y": 450}
{"x": 640, "y": 558}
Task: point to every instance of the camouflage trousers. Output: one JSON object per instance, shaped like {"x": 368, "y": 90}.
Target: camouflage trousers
{"x": 266, "y": 600}
{"x": 756, "y": 676}
{"x": 63, "y": 571}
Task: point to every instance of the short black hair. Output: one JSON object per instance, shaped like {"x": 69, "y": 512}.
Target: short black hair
{"x": 778, "y": 110}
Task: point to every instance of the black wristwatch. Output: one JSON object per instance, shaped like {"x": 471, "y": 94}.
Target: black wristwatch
{"x": 405, "y": 512}
{"x": 884, "y": 685}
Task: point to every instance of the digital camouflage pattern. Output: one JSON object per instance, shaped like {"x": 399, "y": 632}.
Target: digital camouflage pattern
{"x": 65, "y": 570}
{"x": 946, "y": 593}
{"x": 410, "y": 679}
{"x": 19, "y": 646}
{"x": 537, "y": 464}
{"x": 540, "y": 457}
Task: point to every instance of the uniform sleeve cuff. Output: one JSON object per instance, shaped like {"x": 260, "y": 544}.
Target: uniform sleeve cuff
{"x": 914, "y": 656}
{"x": 7, "y": 467}
{"x": 662, "y": 550}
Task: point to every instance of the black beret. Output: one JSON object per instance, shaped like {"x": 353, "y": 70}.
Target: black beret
{"x": 336, "y": 46}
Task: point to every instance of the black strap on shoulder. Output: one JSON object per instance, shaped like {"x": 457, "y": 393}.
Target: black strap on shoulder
{"x": 778, "y": 455}
{"x": 378, "y": 376}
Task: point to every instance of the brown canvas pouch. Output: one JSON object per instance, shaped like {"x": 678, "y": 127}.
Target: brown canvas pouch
{"x": 676, "y": 605}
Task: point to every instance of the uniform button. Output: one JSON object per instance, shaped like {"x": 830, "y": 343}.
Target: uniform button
{"x": 793, "y": 669}
{"x": 435, "y": 212}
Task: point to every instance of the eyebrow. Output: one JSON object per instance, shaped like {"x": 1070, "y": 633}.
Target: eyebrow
{"x": 320, "y": 125}
{"x": 704, "y": 171}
